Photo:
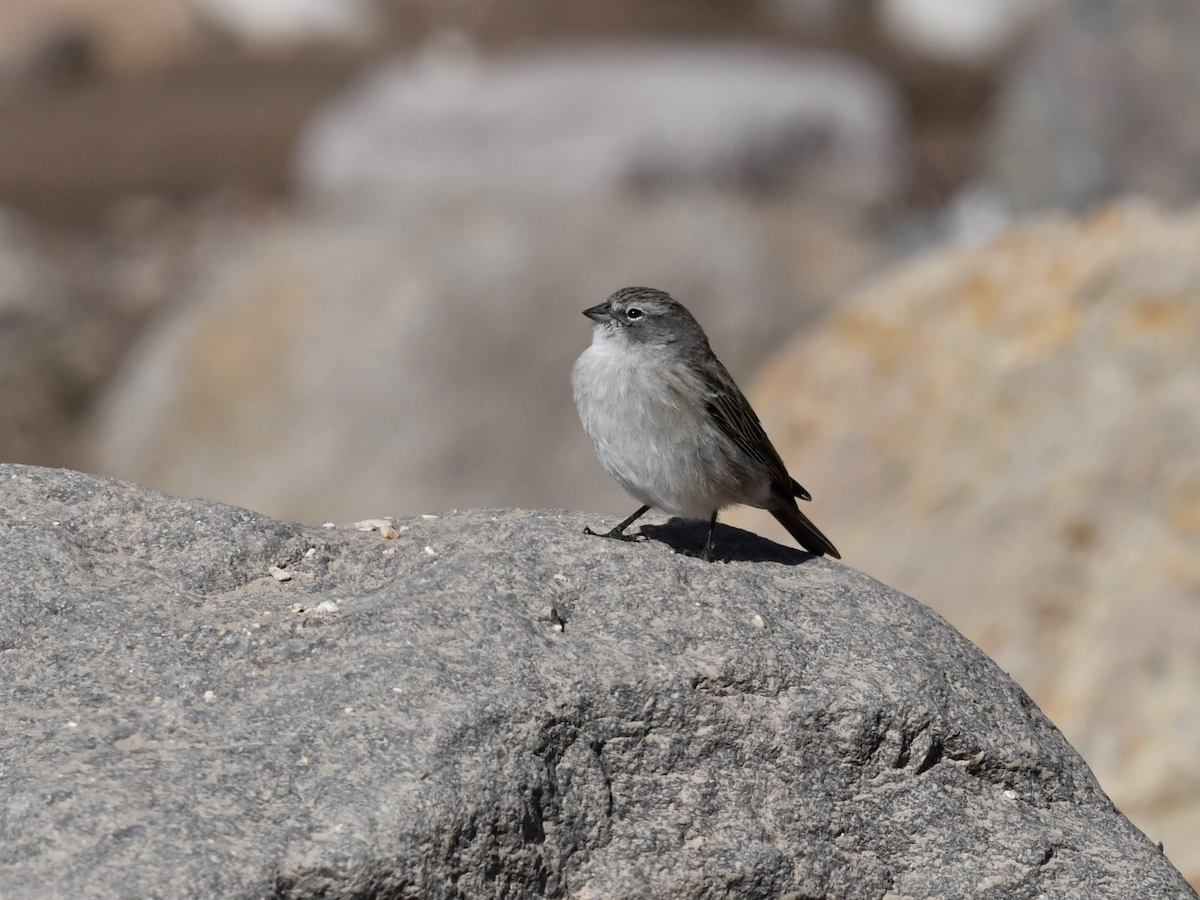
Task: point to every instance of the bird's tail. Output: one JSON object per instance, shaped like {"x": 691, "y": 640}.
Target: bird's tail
{"x": 799, "y": 526}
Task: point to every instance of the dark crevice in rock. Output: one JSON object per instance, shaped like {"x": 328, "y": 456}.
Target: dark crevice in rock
{"x": 932, "y": 757}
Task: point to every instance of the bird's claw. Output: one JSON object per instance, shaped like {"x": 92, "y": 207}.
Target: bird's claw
{"x": 616, "y": 535}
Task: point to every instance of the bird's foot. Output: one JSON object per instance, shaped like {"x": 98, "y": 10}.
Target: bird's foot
{"x": 616, "y": 534}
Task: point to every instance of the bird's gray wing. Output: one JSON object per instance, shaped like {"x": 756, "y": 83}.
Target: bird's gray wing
{"x": 732, "y": 413}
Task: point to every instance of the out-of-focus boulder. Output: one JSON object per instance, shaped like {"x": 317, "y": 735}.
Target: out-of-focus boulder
{"x": 406, "y": 335}
{"x": 648, "y": 118}
{"x": 1012, "y": 433}
{"x": 327, "y": 365}
{"x": 1105, "y": 101}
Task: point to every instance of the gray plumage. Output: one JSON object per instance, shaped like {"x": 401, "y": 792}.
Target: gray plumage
{"x": 670, "y": 425}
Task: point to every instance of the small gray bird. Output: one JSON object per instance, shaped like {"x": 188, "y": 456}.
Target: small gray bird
{"x": 670, "y": 425}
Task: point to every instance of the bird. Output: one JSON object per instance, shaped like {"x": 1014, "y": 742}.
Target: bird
{"x": 671, "y": 426}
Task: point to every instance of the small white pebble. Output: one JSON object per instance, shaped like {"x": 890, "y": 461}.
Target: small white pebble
{"x": 559, "y": 576}
{"x": 388, "y": 532}
{"x": 402, "y": 529}
{"x": 329, "y": 524}
{"x": 326, "y": 607}
{"x": 428, "y": 516}
{"x": 349, "y": 709}
{"x": 302, "y": 761}
{"x": 280, "y": 574}
{"x": 54, "y": 523}
{"x": 758, "y": 621}
{"x": 390, "y": 551}
{"x": 310, "y": 552}
{"x": 69, "y": 724}
{"x": 557, "y": 626}
{"x": 1011, "y": 795}
{"x": 430, "y": 551}
{"x": 397, "y": 690}
{"x": 371, "y": 524}
{"x": 209, "y": 696}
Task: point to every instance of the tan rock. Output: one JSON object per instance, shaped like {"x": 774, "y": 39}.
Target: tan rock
{"x": 1012, "y": 434}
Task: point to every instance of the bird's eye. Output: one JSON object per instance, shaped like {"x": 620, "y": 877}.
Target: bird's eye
{"x": 634, "y": 313}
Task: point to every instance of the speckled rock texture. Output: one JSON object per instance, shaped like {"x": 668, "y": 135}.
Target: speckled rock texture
{"x": 1011, "y": 434}
{"x": 491, "y": 704}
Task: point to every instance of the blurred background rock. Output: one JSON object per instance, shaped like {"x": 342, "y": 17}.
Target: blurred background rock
{"x": 325, "y": 258}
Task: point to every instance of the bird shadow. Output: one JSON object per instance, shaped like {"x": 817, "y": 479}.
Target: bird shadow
{"x": 729, "y": 544}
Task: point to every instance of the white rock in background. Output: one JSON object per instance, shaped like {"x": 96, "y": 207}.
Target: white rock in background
{"x": 966, "y": 32}
{"x": 286, "y": 21}
{"x": 602, "y": 121}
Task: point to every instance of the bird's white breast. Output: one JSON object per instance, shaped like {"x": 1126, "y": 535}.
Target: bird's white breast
{"x": 644, "y": 410}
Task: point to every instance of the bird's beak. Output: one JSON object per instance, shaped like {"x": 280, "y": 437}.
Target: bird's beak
{"x": 601, "y": 313}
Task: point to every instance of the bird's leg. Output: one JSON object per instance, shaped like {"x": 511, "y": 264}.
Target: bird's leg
{"x": 619, "y": 531}
{"x": 706, "y": 554}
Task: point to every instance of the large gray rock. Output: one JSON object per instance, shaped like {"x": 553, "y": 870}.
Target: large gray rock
{"x": 500, "y": 706}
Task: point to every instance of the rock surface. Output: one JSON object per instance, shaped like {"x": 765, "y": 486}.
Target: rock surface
{"x": 492, "y": 704}
{"x": 1010, "y": 433}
